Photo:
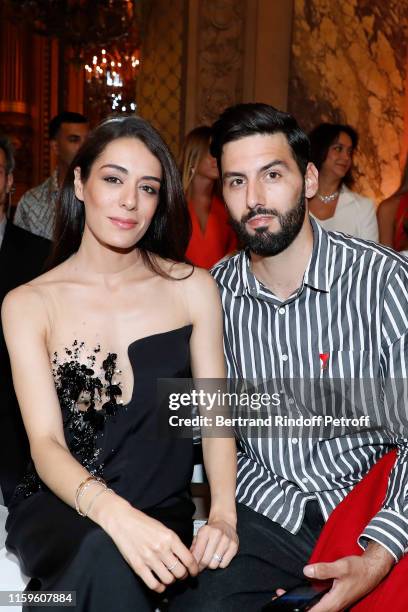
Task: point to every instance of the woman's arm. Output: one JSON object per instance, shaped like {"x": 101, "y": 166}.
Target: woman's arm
{"x": 219, "y": 536}
{"x": 386, "y": 214}
{"x": 145, "y": 543}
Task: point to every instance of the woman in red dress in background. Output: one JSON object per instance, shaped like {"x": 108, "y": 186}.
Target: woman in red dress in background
{"x": 212, "y": 237}
{"x": 392, "y": 215}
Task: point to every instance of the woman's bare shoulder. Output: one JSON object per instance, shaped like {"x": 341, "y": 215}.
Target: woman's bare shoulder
{"x": 24, "y": 308}
{"x": 33, "y": 294}
{"x": 188, "y": 274}
{"x": 176, "y": 270}
{"x": 389, "y": 204}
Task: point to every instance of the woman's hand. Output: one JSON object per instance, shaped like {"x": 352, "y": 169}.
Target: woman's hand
{"x": 215, "y": 544}
{"x": 153, "y": 551}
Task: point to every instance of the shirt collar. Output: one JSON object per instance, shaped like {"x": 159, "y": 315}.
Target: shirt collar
{"x": 316, "y": 273}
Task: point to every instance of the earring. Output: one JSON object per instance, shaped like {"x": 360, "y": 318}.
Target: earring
{"x": 192, "y": 170}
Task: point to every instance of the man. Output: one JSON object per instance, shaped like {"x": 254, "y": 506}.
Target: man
{"x": 302, "y": 303}
{"x": 36, "y": 209}
{"x": 22, "y": 256}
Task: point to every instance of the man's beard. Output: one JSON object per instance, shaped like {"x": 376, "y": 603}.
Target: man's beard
{"x": 266, "y": 243}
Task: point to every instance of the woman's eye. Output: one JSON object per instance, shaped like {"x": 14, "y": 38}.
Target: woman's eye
{"x": 112, "y": 179}
{"x": 236, "y": 182}
{"x": 148, "y": 189}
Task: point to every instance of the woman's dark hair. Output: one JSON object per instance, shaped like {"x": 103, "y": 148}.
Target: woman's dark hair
{"x": 170, "y": 229}
{"x": 321, "y": 139}
{"x": 244, "y": 120}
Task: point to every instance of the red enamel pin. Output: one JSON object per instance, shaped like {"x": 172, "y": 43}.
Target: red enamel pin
{"x": 324, "y": 359}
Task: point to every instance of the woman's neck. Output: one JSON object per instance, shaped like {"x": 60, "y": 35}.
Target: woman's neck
{"x": 201, "y": 190}
{"x": 328, "y": 184}
{"x": 104, "y": 264}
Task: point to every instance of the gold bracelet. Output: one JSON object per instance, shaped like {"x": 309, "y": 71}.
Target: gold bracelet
{"x": 94, "y": 498}
{"x": 82, "y": 488}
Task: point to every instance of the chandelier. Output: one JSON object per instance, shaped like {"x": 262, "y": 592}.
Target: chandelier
{"x": 81, "y": 24}
{"x": 103, "y": 37}
{"x": 115, "y": 73}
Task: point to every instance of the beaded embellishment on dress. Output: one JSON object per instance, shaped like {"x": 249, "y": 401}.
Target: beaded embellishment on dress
{"x": 87, "y": 401}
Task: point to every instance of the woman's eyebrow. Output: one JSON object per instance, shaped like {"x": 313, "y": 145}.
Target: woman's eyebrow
{"x": 116, "y": 167}
{"x": 125, "y": 171}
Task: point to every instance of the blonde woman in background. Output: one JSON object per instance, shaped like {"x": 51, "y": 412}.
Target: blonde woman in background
{"x": 212, "y": 237}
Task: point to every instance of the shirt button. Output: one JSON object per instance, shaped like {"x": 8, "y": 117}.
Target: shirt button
{"x": 291, "y": 400}
{"x": 294, "y": 440}
{"x": 281, "y": 311}
{"x": 305, "y": 480}
{"x": 285, "y": 357}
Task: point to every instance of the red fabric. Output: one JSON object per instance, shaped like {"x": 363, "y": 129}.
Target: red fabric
{"x": 400, "y": 237}
{"x": 218, "y": 239}
{"x": 340, "y": 534}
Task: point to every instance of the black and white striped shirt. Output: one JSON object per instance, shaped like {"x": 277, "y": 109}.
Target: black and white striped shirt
{"x": 352, "y": 307}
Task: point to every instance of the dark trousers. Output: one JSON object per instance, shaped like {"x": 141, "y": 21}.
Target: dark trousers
{"x": 269, "y": 557}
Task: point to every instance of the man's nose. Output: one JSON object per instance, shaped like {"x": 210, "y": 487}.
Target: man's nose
{"x": 253, "y": 195}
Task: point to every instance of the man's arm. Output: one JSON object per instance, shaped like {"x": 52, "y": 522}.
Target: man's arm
{"x": 386, "y": 535}
{"x": 389, "y": 527}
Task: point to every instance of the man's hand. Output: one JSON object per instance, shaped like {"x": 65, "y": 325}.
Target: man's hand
{"x": 353, "y": 577}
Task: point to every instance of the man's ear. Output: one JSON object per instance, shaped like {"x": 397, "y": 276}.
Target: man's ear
{"x": 10, "y": 181}
{"x": 311, "y": 180}
{"x": 78, "y": 186}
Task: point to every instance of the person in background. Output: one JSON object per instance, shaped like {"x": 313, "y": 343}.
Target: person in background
{"x": 212, "y": 237}
{"x": 335, "y": 206}
{"x": 22, "y": 256}
{"x": 36, "y": 209}
{"x": 392, "y": 215}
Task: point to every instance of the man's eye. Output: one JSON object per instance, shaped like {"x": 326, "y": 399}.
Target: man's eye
{"x": 273, "y": 175}
{"x": 236, "y": 182}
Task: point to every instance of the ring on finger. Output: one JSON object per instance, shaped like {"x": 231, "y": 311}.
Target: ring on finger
{"x": 172, "y": 566}
{"x": 217, "y": 557}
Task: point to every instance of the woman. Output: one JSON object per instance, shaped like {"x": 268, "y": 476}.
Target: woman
{"x": 392, "y": 215}
{"x": 106, "y": 511}
{"x": 335, "y": 206}
{"x": 212, "y": 237}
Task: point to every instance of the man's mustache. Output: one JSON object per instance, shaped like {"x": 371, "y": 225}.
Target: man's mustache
{"x": 260, "y": 211}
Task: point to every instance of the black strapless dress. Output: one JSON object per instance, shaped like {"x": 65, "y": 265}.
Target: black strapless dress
{"x": 62, "y": 551}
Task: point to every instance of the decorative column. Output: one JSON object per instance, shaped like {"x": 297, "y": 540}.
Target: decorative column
{"x": 15, "y": 119}
{"x": 237, "y": 51}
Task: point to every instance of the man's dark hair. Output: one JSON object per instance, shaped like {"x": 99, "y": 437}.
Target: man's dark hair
{"x": 323, "y": 136}
{"x": 243, "y": 120}
{"x": 5, "y": 146}
{"x": 64, "y": 117}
